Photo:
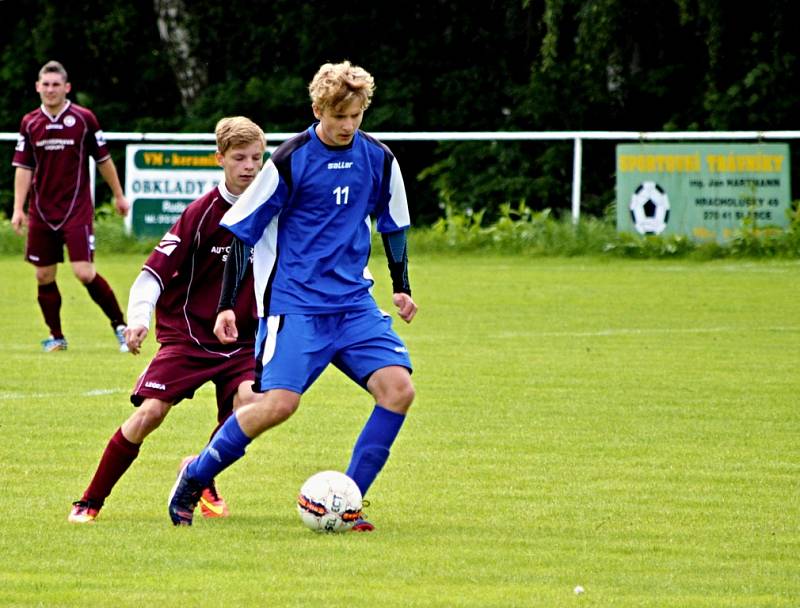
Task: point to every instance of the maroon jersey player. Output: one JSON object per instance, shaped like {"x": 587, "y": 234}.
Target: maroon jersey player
{"x": 181, "y": 280}
{"x": 52, "y": 164}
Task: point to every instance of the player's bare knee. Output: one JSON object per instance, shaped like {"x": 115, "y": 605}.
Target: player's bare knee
{"x": 405, "y": 396}
{"x": 84, "y": 276}
{"x": 275, "y": 407}
{"x": 151, "y": 414}
{"x": 45, "y": 274}
{"x": 147, "y": 418}
{"x": 245, "y": 395}
{"x": 283, "y": 410}
{"x": 398, "y": 397}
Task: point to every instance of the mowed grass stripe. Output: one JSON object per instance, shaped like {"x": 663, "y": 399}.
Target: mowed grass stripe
{"x": 630, "y": 427}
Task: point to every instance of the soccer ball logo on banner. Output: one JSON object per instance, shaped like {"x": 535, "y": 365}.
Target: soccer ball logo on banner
{"x": 649, "y": 208}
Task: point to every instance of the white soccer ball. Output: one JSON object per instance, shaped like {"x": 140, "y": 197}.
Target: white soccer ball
{"x": 649, "y": 208}
{"x": 329, "y": 501}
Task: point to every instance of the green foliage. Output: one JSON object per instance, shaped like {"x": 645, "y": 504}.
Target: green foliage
{"x": 111, "y": 235}
{"x": 519, "y": 229}
{"x": 109, "y": 230}
{"x": 487, "y": 175}
{"x": 10, "y": 242}
{"x": 546, "y": 66}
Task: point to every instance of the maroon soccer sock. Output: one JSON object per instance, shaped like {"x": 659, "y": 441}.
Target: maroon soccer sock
{"x": 103, "y": 295}
{"x": 50, "y": 302}
{"x": 117, "y": 457}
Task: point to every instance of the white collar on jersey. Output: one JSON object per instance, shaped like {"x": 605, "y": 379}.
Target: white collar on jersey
{"x": 225, "y": 193}
{"x": 52, "y": 118}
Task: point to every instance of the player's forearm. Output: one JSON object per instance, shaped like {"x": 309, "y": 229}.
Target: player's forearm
{"x": 395, "y": 245}
{"x": 109, "y": 172}
{"x": 232, "y": 276}
{"x": 22, "y": 186}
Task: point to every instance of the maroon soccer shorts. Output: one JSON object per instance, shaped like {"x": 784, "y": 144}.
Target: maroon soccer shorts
{"x": 178, "y": 370}
{"x": 45, "y": 246}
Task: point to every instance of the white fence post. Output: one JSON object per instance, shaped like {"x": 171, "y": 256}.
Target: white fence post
{"x": 577, "y": 156}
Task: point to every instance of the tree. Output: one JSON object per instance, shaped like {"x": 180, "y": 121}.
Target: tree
{"x": 439, "y": 65}
{"x": 173, "y": 27}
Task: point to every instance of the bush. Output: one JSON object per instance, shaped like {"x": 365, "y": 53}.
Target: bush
{"x": 109, "y": 229}
{"x": 518, "y": 230}
{"x": 521, "y": 230}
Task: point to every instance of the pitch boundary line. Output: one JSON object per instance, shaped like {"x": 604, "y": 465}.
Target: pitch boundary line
{"x": 639, "y": 331}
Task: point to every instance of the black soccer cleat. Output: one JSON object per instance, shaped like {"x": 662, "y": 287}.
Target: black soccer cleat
{"x": 184, "y": 498}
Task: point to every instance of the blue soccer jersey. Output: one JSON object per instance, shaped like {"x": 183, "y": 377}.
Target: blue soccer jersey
{"x": 307, "y": 215}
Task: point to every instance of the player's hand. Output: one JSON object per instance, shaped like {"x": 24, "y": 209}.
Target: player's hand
{"x": 225, "y": 327}
{"x": 122, "y": 205}
{"x": 19, "y": 220}
{"x": 406, "y": 308}
{"x": 134, "y": 336}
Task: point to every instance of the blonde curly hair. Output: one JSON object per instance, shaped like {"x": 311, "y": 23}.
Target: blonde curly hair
{"x": 336, "y": 84}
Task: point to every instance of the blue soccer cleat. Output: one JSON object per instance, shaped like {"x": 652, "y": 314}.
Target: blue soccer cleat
{"x": 119, "y": 332}
{"x": 184, "y": 498}
{"x": 51, "y": 344}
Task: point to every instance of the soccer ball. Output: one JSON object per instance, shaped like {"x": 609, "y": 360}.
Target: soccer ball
{"x": 649, "y": 208}
{"x": 329, "y": 501}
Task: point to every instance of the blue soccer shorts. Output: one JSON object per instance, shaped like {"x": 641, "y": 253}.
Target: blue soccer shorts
{"x": 293, "y": 350}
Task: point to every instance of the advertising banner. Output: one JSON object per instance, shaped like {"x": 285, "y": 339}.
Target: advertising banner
{"x": 704, "y": 191}
{"x": 161, "y": 180}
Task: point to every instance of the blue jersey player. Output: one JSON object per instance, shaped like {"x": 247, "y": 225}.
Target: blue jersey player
{"x": 307, "y": 216}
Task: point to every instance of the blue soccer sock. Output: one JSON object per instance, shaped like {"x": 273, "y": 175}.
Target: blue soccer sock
{"x": 225, "y": 448}
{"x": 372, "y": 446}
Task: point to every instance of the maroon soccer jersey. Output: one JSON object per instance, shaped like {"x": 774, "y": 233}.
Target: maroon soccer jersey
{"x": 188, "y": 263}
{"x": 57, "y": 150}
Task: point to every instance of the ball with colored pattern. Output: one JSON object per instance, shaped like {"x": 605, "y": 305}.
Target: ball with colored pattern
{"x": 329, "y": 501}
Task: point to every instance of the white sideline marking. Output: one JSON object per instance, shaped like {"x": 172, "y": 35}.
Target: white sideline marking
{"x": 100, "y": 392}
{"x": 636, "y": 332}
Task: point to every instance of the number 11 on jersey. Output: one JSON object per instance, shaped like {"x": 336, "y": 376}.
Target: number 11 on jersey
{"x": 342, "y": 194}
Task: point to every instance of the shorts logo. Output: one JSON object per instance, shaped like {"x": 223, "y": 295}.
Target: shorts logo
{"x": 69, "y": 121}
{"x": 168, "y": 243}
{"x": 400, "y": 349}
{"x": 155, "y": 385}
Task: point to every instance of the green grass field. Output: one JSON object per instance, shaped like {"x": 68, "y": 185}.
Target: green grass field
{"x": 630, "y": 427}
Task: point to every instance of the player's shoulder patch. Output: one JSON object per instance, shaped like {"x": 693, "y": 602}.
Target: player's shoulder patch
{"x": 168, "y": 243}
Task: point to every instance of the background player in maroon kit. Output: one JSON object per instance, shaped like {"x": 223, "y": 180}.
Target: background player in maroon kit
{"x": 182, "y": 279}
{"x": 52, "y": 176}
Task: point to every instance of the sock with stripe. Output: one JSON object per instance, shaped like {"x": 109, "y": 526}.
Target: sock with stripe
{"x": 225, "y": 448}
